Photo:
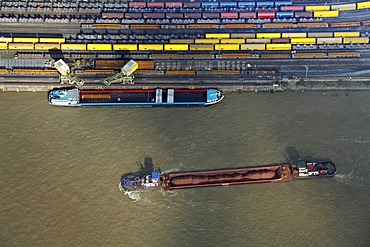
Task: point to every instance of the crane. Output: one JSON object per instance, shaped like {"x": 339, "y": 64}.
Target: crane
{"x": 125, "y": 76}
{"x": 66, "y": 75}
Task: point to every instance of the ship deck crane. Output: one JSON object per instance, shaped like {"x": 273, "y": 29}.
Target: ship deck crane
{"x": 66, "y": 75}
{"x": 125, "y": 76}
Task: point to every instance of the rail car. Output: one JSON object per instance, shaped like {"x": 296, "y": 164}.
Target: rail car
{"x": 345, "y": 24}
{"x": 268, "y": 35}
{"x": 208, "y": 5}
{"x": 112, "y": 15}
{"x": 295, "y": 24}
{"x": 230, "y": 10}
{"x": 326, "y": 14}
{"x": 107, "y": 25}
{"x": 284, "y": 5}
{"x": 31, "y": 38}
{"x": 263, "y": 41}
{"x": 225, "y": 15}
{"x": 324, "y": 8}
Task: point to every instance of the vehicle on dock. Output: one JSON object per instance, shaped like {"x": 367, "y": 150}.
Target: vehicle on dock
{"x": 134, "y": 97}
{"x": 226, "y": 177}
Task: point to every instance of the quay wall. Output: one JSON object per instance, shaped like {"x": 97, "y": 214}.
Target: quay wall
{"x": 298, "y": 84}
{"x": 326, "y": 84}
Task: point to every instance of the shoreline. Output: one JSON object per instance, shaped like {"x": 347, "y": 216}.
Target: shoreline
{"x": 294, "y": 85}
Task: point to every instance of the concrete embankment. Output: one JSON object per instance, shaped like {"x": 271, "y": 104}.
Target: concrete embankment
{"x": 297, "y": 84}
{"x": 226, "y": 84}
{"x": 223, "y": 87}
{"x": 323, "y": 84}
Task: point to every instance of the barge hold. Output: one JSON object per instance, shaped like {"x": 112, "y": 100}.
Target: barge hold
{"x": 134, "y": 97}
{"x": 225, "y": 177}
{"x": 267, "y": 174}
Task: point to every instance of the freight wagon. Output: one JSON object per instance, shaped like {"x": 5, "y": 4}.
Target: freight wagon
{"x": 344, "y": 7}
{"x": 47, "y": 46}
{"x": 215, "y": 15}
{"x": 112, "y": 15}
{"x": 326, "y": 14}
{"x": 31, "y": 38}
{"x": 211, "y": 42}
{"x": 363, "y": 5}
{"x": 230, "y": 15}
{"x": 209, "y": 5}
{"x": 284, "y": 5}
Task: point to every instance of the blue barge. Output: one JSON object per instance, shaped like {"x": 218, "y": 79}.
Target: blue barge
{"x": 159, "y": 97}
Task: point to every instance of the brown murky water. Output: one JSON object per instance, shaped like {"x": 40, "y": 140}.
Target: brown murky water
{"x": 60, "y": 169}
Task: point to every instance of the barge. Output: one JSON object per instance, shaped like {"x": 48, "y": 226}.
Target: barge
{"x": 226, "y": 177}
{"x": 159, "y": 97}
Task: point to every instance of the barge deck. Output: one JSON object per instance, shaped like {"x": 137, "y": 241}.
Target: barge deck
{"x": 225, "y": 177}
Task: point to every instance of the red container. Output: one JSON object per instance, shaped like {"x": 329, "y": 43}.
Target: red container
{"x": 229, "y": 15}
{"x": 266, "y": 15}
{"x": 247, "y": 15}
{"x": 158, "y": 5}
{"x": 292, "y": 8}
{"x": 137, "y": 4}
{"x": 173, "y": 4}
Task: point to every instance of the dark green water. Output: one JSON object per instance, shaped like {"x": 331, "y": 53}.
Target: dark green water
{"x": 60, "y": 169}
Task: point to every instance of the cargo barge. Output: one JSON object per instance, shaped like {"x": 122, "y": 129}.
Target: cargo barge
{"x": 134, "y": 97}
{"x": 226, "y": 177}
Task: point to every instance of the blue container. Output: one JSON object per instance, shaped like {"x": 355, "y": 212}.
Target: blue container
{"x": 247, "y": 4}
{"x": 265, "y": 4}
{"x": 210, "y": 5}
{"x": 228, "y": 4}
{"x": 283, "y": 3}
{"x": 284, "y": 15}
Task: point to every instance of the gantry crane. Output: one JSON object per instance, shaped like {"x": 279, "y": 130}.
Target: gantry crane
{"x": 125, "y": 76}
{"x": 66, "y": 75}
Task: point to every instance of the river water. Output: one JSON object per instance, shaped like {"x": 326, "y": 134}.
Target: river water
{"x": 60, "y": 169}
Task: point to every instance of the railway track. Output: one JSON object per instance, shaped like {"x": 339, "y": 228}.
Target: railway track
{"x": 153, "y": 44}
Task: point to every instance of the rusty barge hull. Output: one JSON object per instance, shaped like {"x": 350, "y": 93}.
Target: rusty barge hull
{"x": 227, "y": 177}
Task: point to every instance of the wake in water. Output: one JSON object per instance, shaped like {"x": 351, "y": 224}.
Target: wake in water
{"x": 135, "y": 196}
{"x": 356, "y": 181}
{"x": 358, "y": 140}
{"x": 344, "y": 177}
{"x": 167, "y": 201}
